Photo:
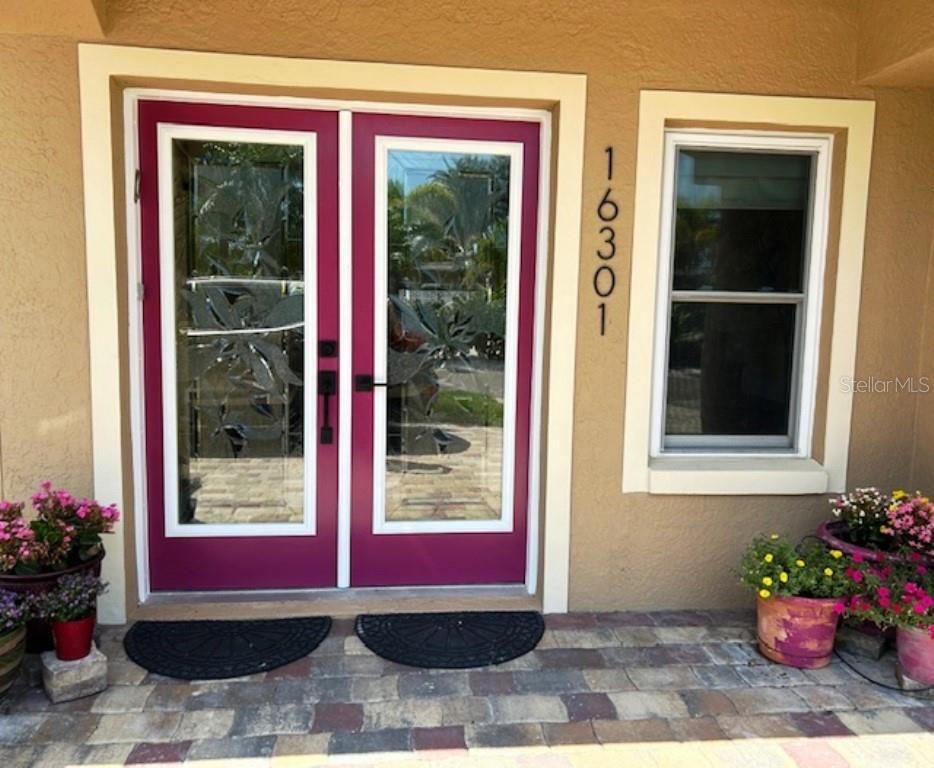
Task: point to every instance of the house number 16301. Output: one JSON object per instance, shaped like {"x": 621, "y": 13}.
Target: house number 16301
{"x": 604, "y": 276}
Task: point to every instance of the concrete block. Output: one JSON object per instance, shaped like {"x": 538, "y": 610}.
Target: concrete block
{"x": 861, "y": 640}
{"x": 68, "y": 680}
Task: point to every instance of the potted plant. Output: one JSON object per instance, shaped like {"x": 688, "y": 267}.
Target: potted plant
{"x": 71, "y": 608}
{"x": 879, "y": 526}
{"x": 859, "y": 524}
{"x": 910, "y": 524}
{"x": 13, "y": 614}
{"x": 63, "y": 537}
{"x": 797, "y": 589}
{"x": 900, "y": 594}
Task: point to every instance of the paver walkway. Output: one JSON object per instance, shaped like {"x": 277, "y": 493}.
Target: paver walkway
{"x": 615, "y": 689}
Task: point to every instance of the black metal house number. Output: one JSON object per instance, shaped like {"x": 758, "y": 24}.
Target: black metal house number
{"x": 604, "y": 276}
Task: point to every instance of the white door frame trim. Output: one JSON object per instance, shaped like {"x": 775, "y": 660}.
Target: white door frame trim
{"x": 101, "y": 65}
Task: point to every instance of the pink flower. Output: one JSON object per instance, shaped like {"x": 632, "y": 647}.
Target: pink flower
{"x": 921, "y": 570}
{"x": 855, "y": 575}
{"x": 839, "y": 608}
{"x": 857, "y": 558}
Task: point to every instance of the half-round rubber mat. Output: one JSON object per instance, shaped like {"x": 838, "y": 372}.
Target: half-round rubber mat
{"x": 451, "y": 640}
{"x": 213, "y": 650}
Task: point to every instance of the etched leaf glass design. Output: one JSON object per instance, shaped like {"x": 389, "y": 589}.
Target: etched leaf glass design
{"x": 447, "y": 221}
{"x": 239, "y": 287}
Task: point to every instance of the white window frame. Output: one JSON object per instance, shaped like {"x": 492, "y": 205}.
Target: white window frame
{"x": 744, "y": 474}
{"x": 807, "y": 328}
{"x": 512, "y": 150}
{"x": 166, "y": 134}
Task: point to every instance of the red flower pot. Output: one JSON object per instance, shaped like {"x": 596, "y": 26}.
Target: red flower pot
{"x": 73, "y": 638}
{"x": 916, "y": 654}
{"x": 38, "y": 634}
{"x": 797, "y": 631}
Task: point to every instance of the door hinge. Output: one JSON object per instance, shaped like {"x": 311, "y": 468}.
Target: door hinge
{"x": 136, "y": 187}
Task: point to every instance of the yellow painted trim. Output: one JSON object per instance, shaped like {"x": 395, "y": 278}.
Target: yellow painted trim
{"x": 655, "y": 107}
{"x": 100, "y": 64}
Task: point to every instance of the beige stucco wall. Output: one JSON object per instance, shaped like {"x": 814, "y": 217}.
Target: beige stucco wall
{"x": 627, "y": 551}
{"x": 44, "y": 389}
{"x": 896, "y": 42}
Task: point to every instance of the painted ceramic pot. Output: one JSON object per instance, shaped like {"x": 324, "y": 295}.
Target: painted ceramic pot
{"x": 12, "y": 648}
{"x": 73, "y": 638}
{"x": 916, "y": 654}
{"x": 38, "y": 633}
{"x": 833, "y": 533}
{"x": 797, "y": 631}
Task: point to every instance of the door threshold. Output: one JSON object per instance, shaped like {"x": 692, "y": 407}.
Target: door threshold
{"x": 333, "y": 602}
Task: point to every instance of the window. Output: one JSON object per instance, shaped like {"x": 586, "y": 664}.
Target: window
{"x": 714, "y": 445}
{"x": 741, "y": 261}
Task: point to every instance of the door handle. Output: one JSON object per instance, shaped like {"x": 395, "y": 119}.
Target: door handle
{"x": 327, "y": 387}
{"x": 363, "y": 382}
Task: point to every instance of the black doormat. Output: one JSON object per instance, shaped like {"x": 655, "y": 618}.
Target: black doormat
{"x": 451, "y": 640}
{"x": 213, "y": 650}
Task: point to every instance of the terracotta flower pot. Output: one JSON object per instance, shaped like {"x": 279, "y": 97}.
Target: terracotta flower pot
{"x": 797, "y": 631}
{"x": 38, "y": 633}
{"x": 832, "y": 533}
{"x": 12, "y": 648}
{"x": 73, "y": 638}
{"x": 916, "y": 654}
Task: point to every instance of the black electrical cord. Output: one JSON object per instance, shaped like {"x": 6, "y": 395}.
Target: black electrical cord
{"x": 863, "y": 675}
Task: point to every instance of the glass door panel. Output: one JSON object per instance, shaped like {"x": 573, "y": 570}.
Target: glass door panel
{"x": 447, "y": 290}
{"x": 239, "y": 267}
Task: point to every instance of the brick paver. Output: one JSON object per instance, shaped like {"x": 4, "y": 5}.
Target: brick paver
{"x": 667, "y": 688}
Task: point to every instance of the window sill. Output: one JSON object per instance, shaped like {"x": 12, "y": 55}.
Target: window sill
{"x": 779, "y": 476}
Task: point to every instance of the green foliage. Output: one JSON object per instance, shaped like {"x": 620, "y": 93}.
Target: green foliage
{"x": 451, "y": 230}
{"x": 452, "y": 406}
{"x": 772, "y": 565}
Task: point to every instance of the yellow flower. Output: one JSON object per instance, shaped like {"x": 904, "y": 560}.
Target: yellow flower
{"x": 783, "y": 577}
{"x": 769, "y": 557}
{"x": 899, "y": 494}
{"x": 800, "y": 563}
{"x": 767, "y": 580}
{"x": 774, "y": 536}
{"x": 836, "y": 554}
{"x": 764, "y": 593}
{"x": 883, "y": 529}
{"x": 828, "y": 571}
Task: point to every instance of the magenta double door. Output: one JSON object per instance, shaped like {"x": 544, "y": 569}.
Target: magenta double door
{"x": 337, "y": 335}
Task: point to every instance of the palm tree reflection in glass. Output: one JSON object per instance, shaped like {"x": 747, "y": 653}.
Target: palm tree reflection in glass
{"x": 448, "y": 219}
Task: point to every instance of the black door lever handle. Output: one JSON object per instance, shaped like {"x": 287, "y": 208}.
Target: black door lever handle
{"x": 363, "y": 382}
{"x": 327, "y": 387}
